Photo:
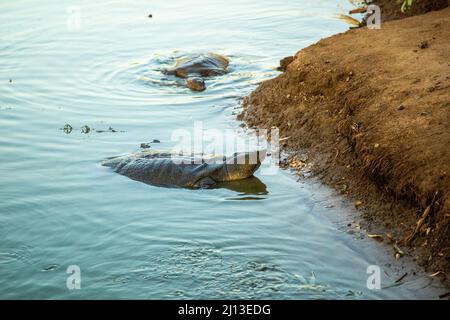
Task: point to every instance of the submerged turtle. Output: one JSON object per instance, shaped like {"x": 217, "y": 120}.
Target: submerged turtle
{"x": 167, "y": 169}
{"x": 194, "y": 68}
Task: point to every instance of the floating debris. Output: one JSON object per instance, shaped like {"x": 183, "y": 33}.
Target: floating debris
{"x": 398, "y": 252}
{"x": 350, "y": 20}
{"x": 51, "y": 267}
{"x": 378, "y": 237}
{"x": 67, "y": 128}
{"x": 436, "y": 274}
{"x": 390, "y": 238}
{"x": 146, "y": 145}
{"x": 85, "y": 129}
{"x": 110, "y": 129}
{"x": 401, "y": 278}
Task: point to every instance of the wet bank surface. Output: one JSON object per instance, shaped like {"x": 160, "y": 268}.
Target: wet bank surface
{"x": 59, "y": 207}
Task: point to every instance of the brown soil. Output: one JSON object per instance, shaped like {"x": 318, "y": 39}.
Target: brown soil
{"x": 390, "y": 8}
{"x": 371, "y": 108}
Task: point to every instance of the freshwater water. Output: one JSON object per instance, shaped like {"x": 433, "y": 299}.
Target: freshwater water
{"x": 94, "y": 65}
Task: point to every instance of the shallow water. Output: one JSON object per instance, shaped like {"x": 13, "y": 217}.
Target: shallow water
{"x": 59, "y": 207}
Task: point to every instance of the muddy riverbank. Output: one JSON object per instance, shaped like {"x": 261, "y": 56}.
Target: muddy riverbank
{"x": 367, "y": 111}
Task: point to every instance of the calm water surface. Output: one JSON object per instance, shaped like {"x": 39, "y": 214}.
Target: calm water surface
{"x": 59, "y": 207}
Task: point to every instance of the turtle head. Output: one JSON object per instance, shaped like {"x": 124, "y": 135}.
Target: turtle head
{"x": 196, "y": 84}
{"x": 240, "y": 166}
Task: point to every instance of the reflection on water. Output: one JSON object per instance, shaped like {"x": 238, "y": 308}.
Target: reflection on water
{"x": 246, "y": 188}
{"x": 60, "y": 207}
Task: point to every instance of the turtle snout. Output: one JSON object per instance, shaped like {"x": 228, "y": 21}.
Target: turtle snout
{"x": 243, "y": 165}
{"x": 196, "y": 84}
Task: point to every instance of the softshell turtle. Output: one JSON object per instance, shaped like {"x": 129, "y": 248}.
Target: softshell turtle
{"x": 168, "y": 169}
{"x": 196, "y": 67}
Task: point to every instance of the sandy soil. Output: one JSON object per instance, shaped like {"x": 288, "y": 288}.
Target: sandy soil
{"x": 368, "y": 112}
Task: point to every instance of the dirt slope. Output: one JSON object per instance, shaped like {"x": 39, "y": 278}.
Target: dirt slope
{"x": 390, "y": 8}
{"x": 372, "y": 110}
